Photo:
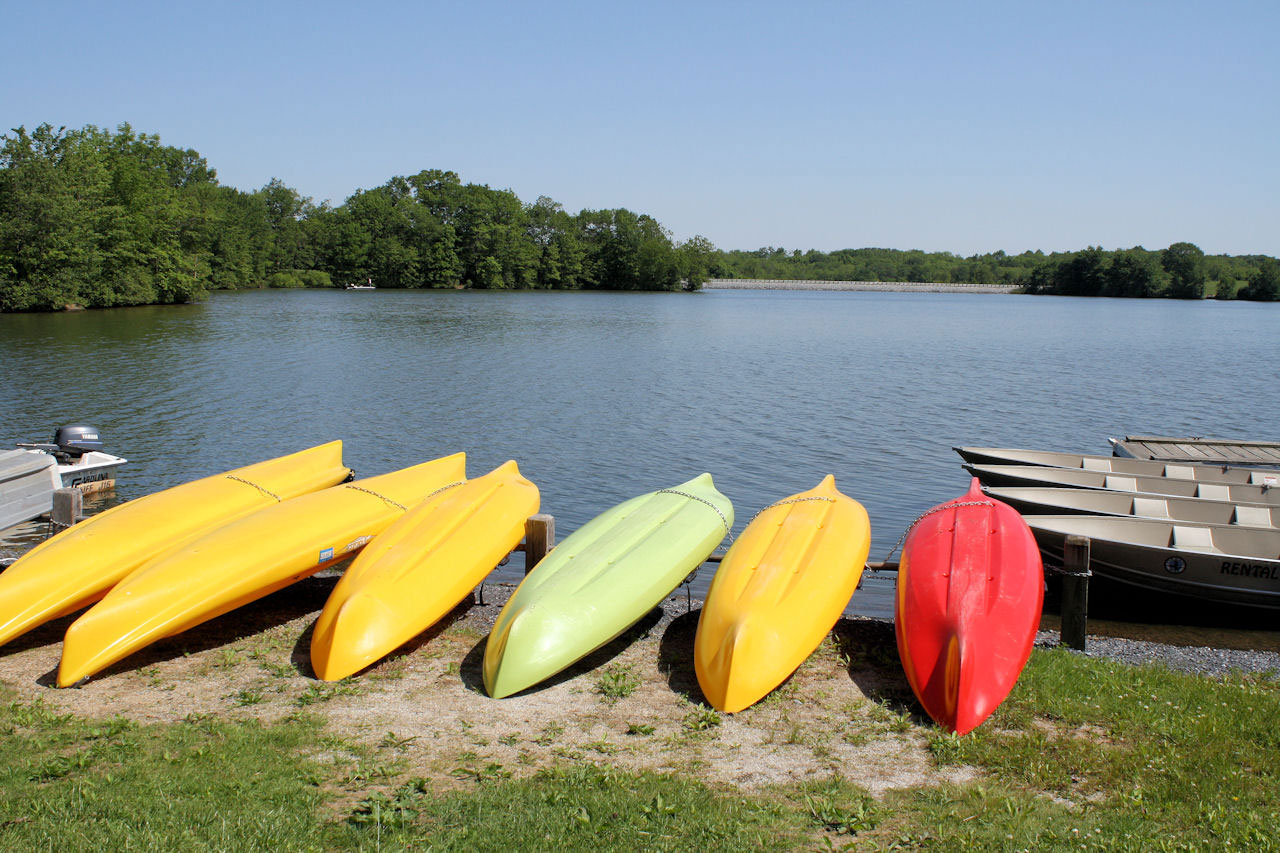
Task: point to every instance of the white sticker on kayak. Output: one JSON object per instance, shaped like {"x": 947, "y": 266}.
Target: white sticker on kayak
{"x": 356, "y": 544}
{"x": 326, "y": 555}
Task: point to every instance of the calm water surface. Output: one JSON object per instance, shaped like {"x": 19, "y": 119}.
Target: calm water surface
{"x": 602, "y": 396}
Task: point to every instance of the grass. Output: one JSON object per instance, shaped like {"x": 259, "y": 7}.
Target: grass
{"x": 1085, "y": 754}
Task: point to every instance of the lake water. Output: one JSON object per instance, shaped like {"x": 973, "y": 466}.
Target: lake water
{"x": 602, "y": 396}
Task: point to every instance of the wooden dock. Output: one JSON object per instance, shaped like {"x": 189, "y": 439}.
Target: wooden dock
{"x": 1211, "y": 451}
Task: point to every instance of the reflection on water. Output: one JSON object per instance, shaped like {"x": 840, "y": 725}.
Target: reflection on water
{"x": 602, "y": 396}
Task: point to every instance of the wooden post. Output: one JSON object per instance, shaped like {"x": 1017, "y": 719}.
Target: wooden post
{"x": 539, "y": 538}
{"x": 1075, "y": 591}
{"x": 68, "y": 506}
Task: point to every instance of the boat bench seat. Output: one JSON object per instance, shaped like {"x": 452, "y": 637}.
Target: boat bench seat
{"x": 1180, "y": 472}
{"x": 1091, "y": 464}
{"x": 1264, "y": 478}
{"x": 1254, "y": 516}
{"x": 1213, "y": 491}
{"x": 1150, "y": 507}
{"x": 1120, "y": 484}
{"x": 1192, "y": 538}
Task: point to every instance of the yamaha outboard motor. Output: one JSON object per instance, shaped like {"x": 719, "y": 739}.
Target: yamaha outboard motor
{"x": 77, "y": 440}
{"x": 70, "y": 442}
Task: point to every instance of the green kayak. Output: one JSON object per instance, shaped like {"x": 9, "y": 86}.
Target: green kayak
{"x": 602, "y": 580}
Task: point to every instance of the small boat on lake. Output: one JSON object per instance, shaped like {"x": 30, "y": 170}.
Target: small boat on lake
{"x": 1032, "y": 500}
{"x": 369, "y": 286}
{"x": 1031, "y": 475}
{"x": 30, "y": 474}
{"x": 1224, "y": 564}
{"x": 1211, "y": 473}
{"x": 1212, "y": 451}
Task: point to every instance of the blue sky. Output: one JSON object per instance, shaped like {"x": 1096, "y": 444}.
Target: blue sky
{"x": 962, "y": 127}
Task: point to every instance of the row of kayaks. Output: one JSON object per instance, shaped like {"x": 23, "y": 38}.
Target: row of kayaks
{"x": 1197, "y": 531}
{"x": 425, "y": 536}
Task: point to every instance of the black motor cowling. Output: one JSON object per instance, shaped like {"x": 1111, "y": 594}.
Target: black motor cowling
{"x": 77, "y": 440}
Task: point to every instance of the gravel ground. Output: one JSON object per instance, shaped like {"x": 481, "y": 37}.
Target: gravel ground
{"x": 1207, "y": 661}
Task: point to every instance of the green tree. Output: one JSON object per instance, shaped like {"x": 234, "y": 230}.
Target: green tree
{"x": 1184, "y": 262}
{"x": 1264, "y": 285}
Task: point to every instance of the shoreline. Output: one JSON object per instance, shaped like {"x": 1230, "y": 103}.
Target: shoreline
{"x": 867, "y": 286}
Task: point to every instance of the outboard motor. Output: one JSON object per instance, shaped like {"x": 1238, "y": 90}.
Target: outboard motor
{"x": 70, "y": 442}
{"x": 77, "y": 440}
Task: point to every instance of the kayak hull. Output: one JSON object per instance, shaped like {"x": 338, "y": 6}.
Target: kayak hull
{"x": 79, "y": 565}
{"x": 970, "y": 592}
{"x": 779, "y": 591}
{"x": 419, "y": 569}
{"x": 601, "y": 580}
{"x": 242, "y": 562}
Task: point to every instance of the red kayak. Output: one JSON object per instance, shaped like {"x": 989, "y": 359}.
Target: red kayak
{"x": 970, "y": 589}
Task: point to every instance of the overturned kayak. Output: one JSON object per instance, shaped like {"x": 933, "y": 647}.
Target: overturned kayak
{"x": 243, "y": 562}
{"x": 419, "y": 569}
{"x": 79, "y": 565}
{"x": 601, "y": 580}
{"x": 970, "y": 589}
{"x": 778, "y": 592}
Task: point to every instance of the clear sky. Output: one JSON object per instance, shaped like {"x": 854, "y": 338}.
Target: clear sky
{"x": 960, "y": 126}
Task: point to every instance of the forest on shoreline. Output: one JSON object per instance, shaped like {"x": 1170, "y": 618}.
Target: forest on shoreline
{"x": 93, "y": 218}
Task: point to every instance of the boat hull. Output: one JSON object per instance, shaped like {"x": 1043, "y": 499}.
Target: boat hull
{"x": 1061, "y": 501}
{"x": 970, "y": 592}
{"x": 1224, "y": 564}
{"x": 27, "y": 481}
{"x": 778, "y": 592}
{"x": 242, "y": 562}
{"x": 1200, "y": 471}
{"x": 79, "y": 565}
{"x": 1031, "y": 475}
{"x": 420, "y": 568}
{"x": 601, "y": 580}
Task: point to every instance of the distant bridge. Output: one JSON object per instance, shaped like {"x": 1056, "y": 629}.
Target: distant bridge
{"x": 885, "y": 286}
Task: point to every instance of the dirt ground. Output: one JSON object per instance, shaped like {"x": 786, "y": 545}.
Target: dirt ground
{"x": 634, "y": 704}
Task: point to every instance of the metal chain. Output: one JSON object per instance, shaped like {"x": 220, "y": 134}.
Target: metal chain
{"x": 790, "y": 501}
{"x": 723, "y": 520}
{"x": 401, "y": 506}
{"x": 926, "y": 514}
{"x": 266, "y": 492}
{"x": 376, "y": 495}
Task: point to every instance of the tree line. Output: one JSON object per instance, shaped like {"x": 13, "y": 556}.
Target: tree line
{"x": 95, "y": 218}
{"x": 1181, "y": 271}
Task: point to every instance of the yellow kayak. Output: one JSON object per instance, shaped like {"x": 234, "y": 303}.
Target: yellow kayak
{"x": 779, "y": 590}
{"x": 419, "y": 569}
{"x": 244, "y": 561}
{"x": 78, "y": 566}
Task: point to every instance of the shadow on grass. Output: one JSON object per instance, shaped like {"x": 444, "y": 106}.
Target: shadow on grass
{"x": 675, "y": 657}
{"x": 874, "y": 665}
{"x": 294, "y": 601}
{"x": 472, "y": 668}
{"x": 301, "y": 657}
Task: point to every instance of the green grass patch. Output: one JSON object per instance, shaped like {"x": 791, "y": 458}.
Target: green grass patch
{"x": 1100, "y": 755}
{"x": 577, "y": 808}
{"x": 113, "y": 785}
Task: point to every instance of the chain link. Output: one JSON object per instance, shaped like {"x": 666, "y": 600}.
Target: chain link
{"x": 926, "y": 514}
{"x": 397, "y": 504}
{"x": 265, "y": 491}
{"x": 723, "y": 520}
{"x": 376, "y": 495}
